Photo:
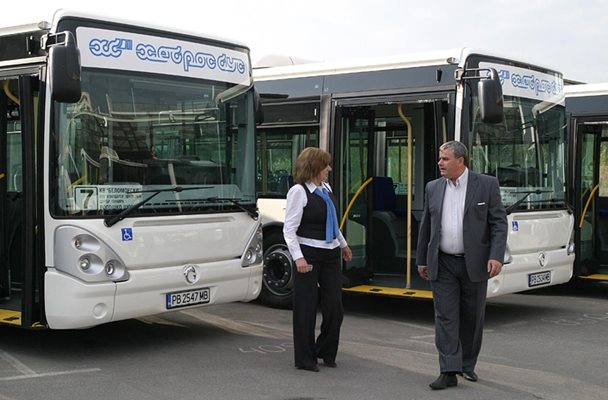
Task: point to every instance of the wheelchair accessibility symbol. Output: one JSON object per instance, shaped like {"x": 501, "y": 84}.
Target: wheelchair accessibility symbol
{"x": 127, "y": 234}
{"x": 515, "y": 226}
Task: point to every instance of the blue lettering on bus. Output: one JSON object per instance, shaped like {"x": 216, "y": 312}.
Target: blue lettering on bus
{"x": 531, "y": 83}
{"x": 198, "y": 60}
{"x": 163, "y": 54}
{"x": 109, "y": 48}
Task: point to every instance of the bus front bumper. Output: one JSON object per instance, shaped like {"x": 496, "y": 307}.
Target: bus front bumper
{"x": 72, "y": 303}
{"x": 526, "y": 272}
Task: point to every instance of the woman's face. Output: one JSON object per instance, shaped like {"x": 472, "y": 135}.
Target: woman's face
{"x": 324, "y": 174}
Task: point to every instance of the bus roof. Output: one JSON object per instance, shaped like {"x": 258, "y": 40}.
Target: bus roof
{"x": 17, "y": 29}
{"x": 442, "y": 57}
{"x": 59, "y": 14}
{"x": 589, "y": 89}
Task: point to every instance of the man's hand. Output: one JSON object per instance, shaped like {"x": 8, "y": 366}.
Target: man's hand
{"x": 494, "y": 267}
{"x": 423, "y": 271}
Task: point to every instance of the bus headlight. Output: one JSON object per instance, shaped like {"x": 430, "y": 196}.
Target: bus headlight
{"x": 116, "y": 271}
{"x": 81, "y": 254}
{"x": 110, "y": 268}
{"x": 570, "y": 248}
{"x": 90, "y": 264}
{"x": 253, "y": 253}
{"x": 85, "y": 264}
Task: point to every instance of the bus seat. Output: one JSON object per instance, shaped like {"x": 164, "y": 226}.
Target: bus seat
{"x": 17, "y": 178}
{"x": 15, "y": 240}
{"x": 91, "y": 167}
{"x": 389, "y": 225}
{"x": 602, "y": 228}
{"x": 156, "y": 174}
{"x": 285, "y": 183}
{"x": 122, "y": 170}
{"x": 384, "y": 196}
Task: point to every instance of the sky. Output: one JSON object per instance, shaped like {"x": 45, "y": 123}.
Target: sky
{"x": 565, "y": 35}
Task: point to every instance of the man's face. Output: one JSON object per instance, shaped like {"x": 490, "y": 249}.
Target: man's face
{"x": 450, "y": 167}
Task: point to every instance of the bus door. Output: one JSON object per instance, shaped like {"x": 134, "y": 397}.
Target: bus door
{"x": 356, "y": 129}
{"x": 373, "y": 177}
{"x": 592, "y": 198}
{"x": 19, "y": 282}
{"x": 288, "y": 128}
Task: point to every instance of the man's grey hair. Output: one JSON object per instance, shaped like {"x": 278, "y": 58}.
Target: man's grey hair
{"x": 459, "y": 150}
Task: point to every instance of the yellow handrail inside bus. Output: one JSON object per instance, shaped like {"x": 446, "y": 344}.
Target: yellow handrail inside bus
{"x": 584, "y": 193}
{"x": 8, "y": 93}
{"x": 408, "y": 280}
{"x": 580, "y": 225}
{"x": 352, "y": 201}
{"x": 77, "y": 182}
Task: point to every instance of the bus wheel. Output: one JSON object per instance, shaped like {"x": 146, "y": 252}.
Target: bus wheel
{"x": 277, "y": 289}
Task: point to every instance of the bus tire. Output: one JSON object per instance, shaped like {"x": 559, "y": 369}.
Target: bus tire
{"x": 277, "y": 287}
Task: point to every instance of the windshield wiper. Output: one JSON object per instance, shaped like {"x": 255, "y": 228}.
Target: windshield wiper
{"x": 526, "y": 194}
{"x": 113, "y": 219}
{"x": 253, "y": 214}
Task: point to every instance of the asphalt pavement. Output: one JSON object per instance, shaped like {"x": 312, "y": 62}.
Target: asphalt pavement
{"x": 547, "y": 344}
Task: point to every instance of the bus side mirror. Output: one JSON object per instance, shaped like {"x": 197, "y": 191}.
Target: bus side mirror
{"x": 490, "y": 98}
{"x": 258, "y": 112}
{"x": 64, "y": 67}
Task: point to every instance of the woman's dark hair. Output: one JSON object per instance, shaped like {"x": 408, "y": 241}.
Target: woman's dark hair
{"x": 310, "y": 162}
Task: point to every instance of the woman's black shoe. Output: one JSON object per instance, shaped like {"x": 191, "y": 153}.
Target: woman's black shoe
{"x": 313, "y": 368}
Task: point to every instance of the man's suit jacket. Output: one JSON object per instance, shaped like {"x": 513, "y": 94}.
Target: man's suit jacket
{"x": 484, "y": 226}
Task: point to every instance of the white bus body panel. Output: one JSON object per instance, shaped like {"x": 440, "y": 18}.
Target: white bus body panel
{"x": 535, "y": 231}
{"x": 73, "y": 303}
{"x": 537, "y": 242}
{"x": 142, "y": 24}
{"x": 438, "y": 58}
{"x": 156, "y": 257}
{"x": 589, "y": 89}
{"x": 272, "y": 210}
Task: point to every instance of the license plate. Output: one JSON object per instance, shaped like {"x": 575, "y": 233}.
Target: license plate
{"x": 188, "y": 298}
{"x": 539, "y": 278}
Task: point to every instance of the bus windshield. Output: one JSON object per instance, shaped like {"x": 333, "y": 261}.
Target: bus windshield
{"x": 132, "y": 134}
{"x": 526, "y": 152}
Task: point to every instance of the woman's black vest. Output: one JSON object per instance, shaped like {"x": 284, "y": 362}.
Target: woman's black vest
{"x": 314, "y": 217}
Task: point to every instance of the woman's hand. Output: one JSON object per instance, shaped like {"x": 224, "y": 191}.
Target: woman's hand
{"x": 302, "y": 265}
{"x": 347, "y": 253}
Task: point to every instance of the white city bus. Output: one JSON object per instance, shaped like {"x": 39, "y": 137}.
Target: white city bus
{"x": 127, "y": 163}
{"x": 383, "y": 121}
{"x": 587, "y": 107}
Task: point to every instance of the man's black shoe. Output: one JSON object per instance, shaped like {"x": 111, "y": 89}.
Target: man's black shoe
{"x": 444, "y": 381}
{"x": 313, "y": 368}
{"x": 330, "y": 364}
{"x": 469, "y": 376}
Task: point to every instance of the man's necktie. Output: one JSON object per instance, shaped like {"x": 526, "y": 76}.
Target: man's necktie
{"x": 331, "y": 222}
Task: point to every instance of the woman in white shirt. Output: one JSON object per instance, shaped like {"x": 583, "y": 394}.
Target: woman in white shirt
{"x": 315, "y": 243}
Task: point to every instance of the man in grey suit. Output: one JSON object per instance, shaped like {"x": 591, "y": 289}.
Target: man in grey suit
{"x": 461, "y": 244}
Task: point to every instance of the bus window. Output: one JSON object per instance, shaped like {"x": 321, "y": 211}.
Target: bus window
{"x": 277, "y": 150}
